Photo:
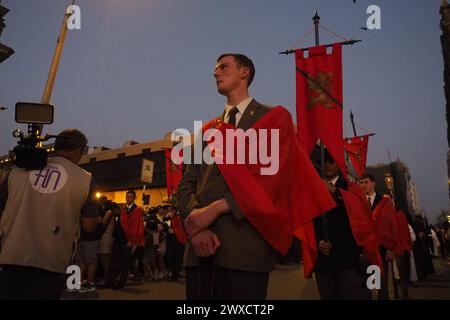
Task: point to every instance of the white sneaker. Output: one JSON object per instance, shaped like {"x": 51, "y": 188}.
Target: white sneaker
{"x": 88, "y": 287}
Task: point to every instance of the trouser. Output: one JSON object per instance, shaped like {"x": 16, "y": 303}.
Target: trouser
{"x": 28, "y": 283}
{"x": 174, "y": 255}
{"x": 135, "y": 264}
{"x": 210, "y": 281}
{"x": 120, "y": 263}
{"x": 339, "y": 284}
{"x": 383, "y": 293}
{"x": 403, "y": 264}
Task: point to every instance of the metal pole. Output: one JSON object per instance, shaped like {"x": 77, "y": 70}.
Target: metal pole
{"x": 316, "y": 20}
{"x": 344, "y": 43}
{"x": 392, "y": 286}
{"x": 352, "y": 119}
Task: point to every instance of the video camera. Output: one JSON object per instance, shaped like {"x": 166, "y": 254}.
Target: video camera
{"x": 28, "y": 152}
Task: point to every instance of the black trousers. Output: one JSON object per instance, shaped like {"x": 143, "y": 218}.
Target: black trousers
{"x": 383, "y": 293}
{"x": 120, "y": 264}
{"x": 174, "y": 254}
{"x": 403, "y": 264}
{"x": 210, "y": 281}
{"x": 28, "y": 283}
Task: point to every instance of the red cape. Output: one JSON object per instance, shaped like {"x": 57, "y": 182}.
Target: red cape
{"x": 178, "y": 229}
{"x": 361, "y": 223}
{"x": 133, "y": 225}
{"x": 282, "y": 205}
{"x": 385, "y": 217}
{"x": 404, "y": 243}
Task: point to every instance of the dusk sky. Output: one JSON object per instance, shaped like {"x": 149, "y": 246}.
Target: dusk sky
{"x": 138, "y": 69}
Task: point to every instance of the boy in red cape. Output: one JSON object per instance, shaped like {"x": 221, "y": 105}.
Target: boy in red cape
{"x": 128, "y": 236}
{"x": 376, "y": 202}
{"x": 338, "y": 235}
{"x": 362, "y": 224}
{"x": 236, "y": 217}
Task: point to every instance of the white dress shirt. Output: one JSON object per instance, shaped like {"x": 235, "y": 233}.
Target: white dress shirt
{"x": 371, "y": 198}
{"x": 241, "y": 109}
{"x": 333, "y": 181}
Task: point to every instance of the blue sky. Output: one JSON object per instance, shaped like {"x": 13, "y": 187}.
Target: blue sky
{"x": 140, "y": 68}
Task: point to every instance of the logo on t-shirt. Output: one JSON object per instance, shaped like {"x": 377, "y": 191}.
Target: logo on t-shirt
{"x": 51, "y": 179}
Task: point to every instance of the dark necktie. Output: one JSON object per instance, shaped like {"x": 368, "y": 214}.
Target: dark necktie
{"x": 232, "y": 116}
{"x": 370, "y": 202}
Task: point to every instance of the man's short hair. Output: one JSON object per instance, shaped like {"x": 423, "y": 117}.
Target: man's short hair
{"x": 327, "y": 157}
{"x": 367, "y": 176}
{"x": 131, "y": 192}
{"x": 70, "y": 139}
{"x": 242, "y": 61}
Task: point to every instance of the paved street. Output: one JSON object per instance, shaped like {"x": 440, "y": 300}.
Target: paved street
{"x": 286, "y": 282}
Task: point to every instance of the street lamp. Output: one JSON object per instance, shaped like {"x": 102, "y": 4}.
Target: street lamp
{"x": 389, "y": 182}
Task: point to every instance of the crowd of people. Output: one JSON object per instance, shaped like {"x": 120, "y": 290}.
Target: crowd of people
{"x": 236, "y": 221}
{"x": 119, "y": 253}
{"x": 160, "y": 256}
{"x": 341, "y": 263}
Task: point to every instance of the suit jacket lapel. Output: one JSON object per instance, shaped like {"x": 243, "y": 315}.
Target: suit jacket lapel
{"x": 250, "y": 115}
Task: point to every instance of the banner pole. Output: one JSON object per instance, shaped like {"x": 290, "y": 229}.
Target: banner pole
{"x": 316, "y": 20}
{"x": 352, "y": 119}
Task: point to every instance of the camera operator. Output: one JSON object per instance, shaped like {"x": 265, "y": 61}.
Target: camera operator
{"x": 40, "y": 214}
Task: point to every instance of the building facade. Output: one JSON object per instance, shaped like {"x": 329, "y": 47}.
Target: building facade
{"x": 5, "y": 51}
{"x": 405, "y": 192}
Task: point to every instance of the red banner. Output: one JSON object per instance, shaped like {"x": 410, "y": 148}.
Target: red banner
{"x": 357, "y": 152}
{"x": 319, "y": 100}
{"x": 173, "y": 174}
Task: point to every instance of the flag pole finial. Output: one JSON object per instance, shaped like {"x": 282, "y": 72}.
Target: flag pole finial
{"x": 316, "y": 17}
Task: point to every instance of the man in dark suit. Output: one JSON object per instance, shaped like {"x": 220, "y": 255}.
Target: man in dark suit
{"x": 368, "y": 183}
{"x": 338, "y": 257}
{"x": 226, "y": 257}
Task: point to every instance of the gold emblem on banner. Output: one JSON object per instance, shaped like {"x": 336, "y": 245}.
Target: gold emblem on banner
{"x": 317, "y": 94}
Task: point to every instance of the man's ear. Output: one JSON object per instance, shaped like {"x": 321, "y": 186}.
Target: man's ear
{"x": 245, "y": 73}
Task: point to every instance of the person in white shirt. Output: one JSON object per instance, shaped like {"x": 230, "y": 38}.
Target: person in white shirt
{"x": 368, "y": 183}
